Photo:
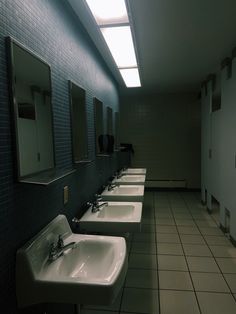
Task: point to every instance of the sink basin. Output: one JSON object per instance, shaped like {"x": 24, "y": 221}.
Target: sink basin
{"x": 130, "y": 179}
{"x": 135, "y": 171}
{"x": 91, "y": 272}
{"x": 116, "y": 212}
{"x": 116, "y": 217}
{"x": 124, "y": 193}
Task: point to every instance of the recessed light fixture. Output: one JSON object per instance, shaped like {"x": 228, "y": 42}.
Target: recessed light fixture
{"x": 112, "y": 19}
{"x": 108, "y": 11}
{"x": 119, "y": 40}
{"x": 131, "y": 77}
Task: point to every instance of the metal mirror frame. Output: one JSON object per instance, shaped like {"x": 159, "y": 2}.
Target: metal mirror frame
{"x": 71, "y": 83}
{"x": 13, "y": 103}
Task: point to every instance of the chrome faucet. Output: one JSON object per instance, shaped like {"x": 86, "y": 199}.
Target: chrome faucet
{"x": 57, "y": 249}
{"x": 99, "y": 206}
{"x": 119, "y": 175}
{"x": 95, "y": 205}
{"x": 110, "y": 186}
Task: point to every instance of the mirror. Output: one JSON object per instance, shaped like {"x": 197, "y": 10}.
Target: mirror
{"x": 99, "y": 129}
{"x": 110, "y": 133}
{"x": 109, "y": 121}
{"x": 117, "y": 131}
{"x": 79, "y": 123}
{"x": 30, "y": 86}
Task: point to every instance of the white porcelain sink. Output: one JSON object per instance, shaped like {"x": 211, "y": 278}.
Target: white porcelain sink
{"x": 115, "y": 217}
{"x": 122, "y": 193}
{"x": 91, "y": 272}
{"x": 134, "y": 171}
{"x": 130, "y": 179}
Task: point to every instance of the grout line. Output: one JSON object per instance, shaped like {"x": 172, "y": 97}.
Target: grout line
{"x": 158, "y": 280}
{"x": 124, "y": 285}
{"x": 195, "y": 293}
{"x": 218, "y": 265}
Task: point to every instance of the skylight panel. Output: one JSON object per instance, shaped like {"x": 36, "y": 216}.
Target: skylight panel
{"x": 131, "y": 77}
{"x": 108, "y": 11}
{"x": 120, "y": 43}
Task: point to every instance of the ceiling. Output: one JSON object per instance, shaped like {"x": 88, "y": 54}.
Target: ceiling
{"x": 178, "y": 42}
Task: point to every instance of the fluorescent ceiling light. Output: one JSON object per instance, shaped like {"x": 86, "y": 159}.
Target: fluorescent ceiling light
{"x": 108, "y": 11}
{"x": 120, "y": 43}
{"x": 131, "y": 77}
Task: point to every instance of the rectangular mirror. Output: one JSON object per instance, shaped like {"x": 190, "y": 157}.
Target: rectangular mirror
{"x": 110, "y": 131}
{"x": 109, "y": 121}
{"x": 99, "y": 127}
{"x": 79, "y": 123}
{"x": 117, "y": 130}
{"x": 30, "y": 87}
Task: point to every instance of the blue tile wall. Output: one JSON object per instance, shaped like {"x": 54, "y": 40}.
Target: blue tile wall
{"x": 51, "y": 30}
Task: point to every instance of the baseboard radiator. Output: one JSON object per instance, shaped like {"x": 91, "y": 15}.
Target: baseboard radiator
{"x": 166, "y": 183}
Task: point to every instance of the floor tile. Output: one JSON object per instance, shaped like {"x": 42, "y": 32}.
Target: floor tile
{"x": 211, "y": 231}
{"x": 141, "y": 278}
{"x": 162, "y": 208}
{"x": 185, "y": 222}
{"x": 164, "y": 215}
{"x": 142, "y": 247}
{"x": 200, "y": 216}
{"x": 142, "y": 261}
{"x": 188, "y": 230}
{"x": 192, "y": 239}
{"x": 178, "y": 302}
{"x": 180, "y": 210}
{"x": 170, "y": 262}
{"x": 206, "y": 223}
{"x": 148, "y": 228}
{"x": 148, "y": 221}
{"x": 223, "y": 251}
{"x": 140, "y": 301}
{"x": 175, "y": 280}
{"x": 217, "y": 240}
{"x": 216, "y": 303}
{"x": 148, "y": 214}
{"x": 175, "y": 204}
{"x": 196, "y": 250}
{"x": 169, "y": 248}
{"x": 115, "y": 306}
{"x": 209, "y": 282}
{"x": 227, "y": 265}
{"x": 167, "y": 238}
{"x": 166, "y": 229}
{"x": 144, "y": 237}
{"x": 87, "y": 311}
{"x": 231, "y": 280}
{"x": 165, "y": 222}
{"x": 202, "y": 264}
{"x": 182, "y": 216}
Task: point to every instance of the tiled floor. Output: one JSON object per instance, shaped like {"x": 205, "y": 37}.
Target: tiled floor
{"x": 180, "y": 263}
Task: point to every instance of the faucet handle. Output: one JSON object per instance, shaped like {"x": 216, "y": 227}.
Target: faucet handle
{"x": 52, "y": 251}
{"x": 53, "y": 247}
{"x": 98, "y": 197}
{"x": 60, "y": 242}
{"x": 75, "y": 219}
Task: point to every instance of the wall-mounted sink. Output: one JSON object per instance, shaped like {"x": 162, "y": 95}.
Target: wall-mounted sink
{"x": 124, "y": 193}
{"x": 134, "y": 171}
{"x": 91, "y": 271}
{"x": 113, "y": 217}
{"x": 130, "y": 179}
